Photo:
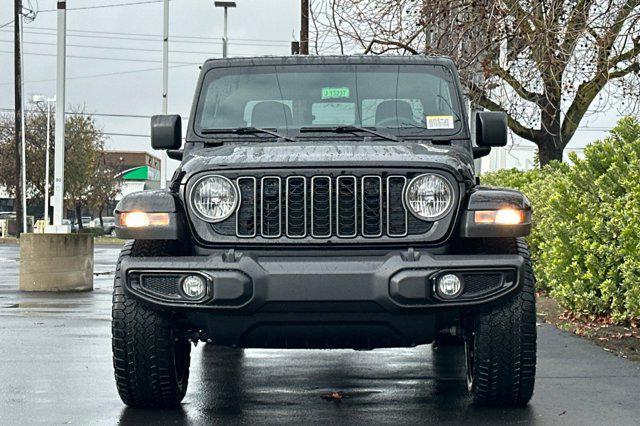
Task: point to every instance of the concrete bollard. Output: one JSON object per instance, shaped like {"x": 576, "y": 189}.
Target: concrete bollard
{"x": 56, "y": 262}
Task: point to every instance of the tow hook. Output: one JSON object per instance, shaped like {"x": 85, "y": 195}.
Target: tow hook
{"x": 410, "y": 255}
{"x": 231, "y": 256}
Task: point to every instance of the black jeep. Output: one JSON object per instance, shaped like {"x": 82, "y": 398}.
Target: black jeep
{"x": 325, "y": 202}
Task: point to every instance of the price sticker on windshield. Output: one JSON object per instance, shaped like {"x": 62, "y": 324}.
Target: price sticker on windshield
{"x": 435, "y": 122}
{"x": 335, "y": 92}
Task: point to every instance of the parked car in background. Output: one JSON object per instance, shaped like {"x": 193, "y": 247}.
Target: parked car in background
{"x": 86, "y": 223}
{"x": 108, "y": 225}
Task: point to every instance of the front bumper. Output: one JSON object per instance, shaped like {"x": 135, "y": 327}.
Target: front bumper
{"x": 302, "y": 301}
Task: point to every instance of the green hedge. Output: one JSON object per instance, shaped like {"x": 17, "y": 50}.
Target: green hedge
{"x": 586, "y": 236}
{"x": 96, "y": 232}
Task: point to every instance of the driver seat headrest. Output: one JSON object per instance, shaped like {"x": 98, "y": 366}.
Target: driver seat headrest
{"x": 393, "y": 109}
{"x": 271, "y": 114}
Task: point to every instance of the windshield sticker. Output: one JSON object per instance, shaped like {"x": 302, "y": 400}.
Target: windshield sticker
{"x": 435, "y": 122}
{"x": 335, "y": 92}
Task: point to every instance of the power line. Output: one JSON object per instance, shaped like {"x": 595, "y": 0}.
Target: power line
{"x": 96, "y": 114}
{"x": 136, "y": 49}
{"x": 97, "y": 132}
{"x": 103, "y": 6}
{"x": 103, "y": 58}
{"x": 99, "y": 75}
{"x": 126, "y": 134}
{"x": 158, "y": 36}
{"x": 154, "y": 37}
{"x": 87, "y": 113}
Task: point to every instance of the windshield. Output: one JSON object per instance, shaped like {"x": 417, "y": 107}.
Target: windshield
{"x": 406, "y": 100}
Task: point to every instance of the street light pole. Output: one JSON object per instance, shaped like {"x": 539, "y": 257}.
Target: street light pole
{"x": 165, "y": 86}
{"x": 225, "y": 39}
{"x": 36, "y": 99}
{"x": 46, "y": 165}
{"x": 58, "y": 168}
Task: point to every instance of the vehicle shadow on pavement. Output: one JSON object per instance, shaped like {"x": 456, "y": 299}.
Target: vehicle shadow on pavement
{"x": 423, "y": 385}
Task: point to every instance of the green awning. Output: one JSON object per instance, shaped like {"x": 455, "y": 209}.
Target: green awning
{"x": 141, "y": 173}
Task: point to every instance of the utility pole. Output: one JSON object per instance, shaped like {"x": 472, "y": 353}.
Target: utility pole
{"x": 225, "y": 39}
{"x": 23, "y": 139}
{"x": 165, "y": 86}
{"x": 304, "y": 27}
{"x": 17, "y": 61}
{"x": 295, "y": 47}
{"x": 58, "y": 169}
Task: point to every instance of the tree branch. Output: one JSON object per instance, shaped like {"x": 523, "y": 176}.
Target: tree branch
{"x": 398, "y": 44}
{"x": 634, "y": 67}
{"x": 518, "y": 128}
{"x": 516, "y": 85}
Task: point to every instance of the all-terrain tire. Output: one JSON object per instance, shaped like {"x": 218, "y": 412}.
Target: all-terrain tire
{"x": 150, "y": 360}
{"x": 501, "y": 349}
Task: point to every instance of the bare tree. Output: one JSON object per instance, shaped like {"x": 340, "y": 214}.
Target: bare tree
{"x": 546, "y": 63}
{"x": 106, "y": 184}
{"x": 87, "y": 175}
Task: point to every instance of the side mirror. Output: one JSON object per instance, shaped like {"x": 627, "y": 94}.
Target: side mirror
{"x": 491, "y": 129}
{"x": 166, "y": 132}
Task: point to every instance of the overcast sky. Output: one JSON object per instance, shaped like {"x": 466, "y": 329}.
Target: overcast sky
{"x": 115, "y": 53}
{"x": 256, "y": 27}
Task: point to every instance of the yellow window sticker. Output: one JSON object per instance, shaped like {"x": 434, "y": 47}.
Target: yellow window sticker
{"x": 435, "y": 122}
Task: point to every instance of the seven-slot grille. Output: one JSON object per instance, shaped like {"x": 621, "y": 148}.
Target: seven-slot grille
{"x": 321, "y": 206}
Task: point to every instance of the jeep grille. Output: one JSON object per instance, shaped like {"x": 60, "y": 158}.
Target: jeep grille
{"x": 321, "y": 206}
{"x": 303, "y": 207}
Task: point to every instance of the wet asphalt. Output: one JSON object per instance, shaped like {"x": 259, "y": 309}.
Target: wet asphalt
{"x": 55, "y": 368}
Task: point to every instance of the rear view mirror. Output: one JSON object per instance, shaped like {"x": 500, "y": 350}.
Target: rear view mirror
{"x": 166, "y": 132}
{"x": 491, "y": 129}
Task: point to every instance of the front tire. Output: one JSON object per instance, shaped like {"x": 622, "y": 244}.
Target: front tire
{"x": 500, "y": 345}
{"x": 150, "y": 359}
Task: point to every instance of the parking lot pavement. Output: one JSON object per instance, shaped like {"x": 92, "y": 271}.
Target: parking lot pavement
{"x": 55, "y": 368}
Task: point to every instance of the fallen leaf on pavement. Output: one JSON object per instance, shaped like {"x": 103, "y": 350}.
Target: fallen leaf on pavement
{"x": 333, "y": 396}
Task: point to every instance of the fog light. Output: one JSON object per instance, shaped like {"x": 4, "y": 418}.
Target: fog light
{"x": 449, "y": 286}
{"x": 194, "y": 286}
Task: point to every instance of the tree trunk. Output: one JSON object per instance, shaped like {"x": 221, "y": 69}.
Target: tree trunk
{"x": 549, "y": 149}
{"x": 79, "y": 216}
{"x": 100, "y": 217}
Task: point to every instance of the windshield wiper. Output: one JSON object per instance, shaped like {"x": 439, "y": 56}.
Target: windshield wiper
{"x": 246, "y": 131}
{"x": 350, "y": 129}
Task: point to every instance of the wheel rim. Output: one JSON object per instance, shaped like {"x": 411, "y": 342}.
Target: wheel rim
{"x": 470, "y": 358}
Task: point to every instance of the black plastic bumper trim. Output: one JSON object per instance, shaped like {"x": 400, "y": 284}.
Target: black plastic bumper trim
{"x": 327, "y": 279}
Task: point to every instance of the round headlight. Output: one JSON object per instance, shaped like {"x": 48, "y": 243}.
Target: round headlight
{"x": 214, "y": 198}
{"x": 429, "y": 196}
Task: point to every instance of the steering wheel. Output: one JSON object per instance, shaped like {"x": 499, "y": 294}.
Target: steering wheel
{"x": 394, "y": 121}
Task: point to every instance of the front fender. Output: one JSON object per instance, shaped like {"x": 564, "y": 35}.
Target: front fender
{"x": 151, "y": 201}
{"x": 491, "y": 198}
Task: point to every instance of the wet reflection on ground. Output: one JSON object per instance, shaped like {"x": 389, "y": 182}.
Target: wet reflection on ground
{"x": 56, "y": 368}
{"x": 380, "y": 386}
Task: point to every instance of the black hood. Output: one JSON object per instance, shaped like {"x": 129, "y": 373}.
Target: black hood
{"x": 333, "y": 154}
